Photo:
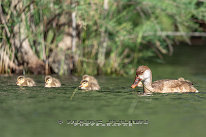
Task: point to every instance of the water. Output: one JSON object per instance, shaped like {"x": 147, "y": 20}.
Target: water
{"x": 35, "y": 111}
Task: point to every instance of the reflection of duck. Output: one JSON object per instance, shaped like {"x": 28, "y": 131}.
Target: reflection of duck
{"x": 52, "y": 82}
{"x": 144, "y": 74}
{"x": 23, "y": 81}
{"x": 89, "y": 83}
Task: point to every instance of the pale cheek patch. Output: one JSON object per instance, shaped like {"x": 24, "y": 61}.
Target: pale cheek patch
{"x": 140, "y": 76}
{"x": 147, "y": 74}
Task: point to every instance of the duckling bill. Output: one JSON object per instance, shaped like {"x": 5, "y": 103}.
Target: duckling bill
{"x": 25, "y": 81}
{"x": 52, "y": 82}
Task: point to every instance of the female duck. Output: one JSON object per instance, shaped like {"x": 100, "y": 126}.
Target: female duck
{"x": 24, "y": 81}
{"x": 52, "y": 82}
{"x": 144, "y": 75}
{"x": 89, "y": 83}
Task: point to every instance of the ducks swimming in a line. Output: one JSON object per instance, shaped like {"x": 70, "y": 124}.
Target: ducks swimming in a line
{"x": 49, "y": 82}
{"x": 144, "y": 75}
{"x": 143, "y": 79}
{"x": 87, "y": 83}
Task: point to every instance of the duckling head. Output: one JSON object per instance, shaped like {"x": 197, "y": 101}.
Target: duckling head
{"x": 48, "y": 80}
{"x": 20, "y": 80}
{"x": 143, "y": 73}
{"x": 84, "y": 84}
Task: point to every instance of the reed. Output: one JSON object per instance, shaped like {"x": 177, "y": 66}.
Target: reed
{"x": 94, "y": 37}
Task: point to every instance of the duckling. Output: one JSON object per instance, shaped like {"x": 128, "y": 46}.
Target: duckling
{"x": 24, "y": 81}
{"x": 89, "y": 78}
{"x": 144, "y": 74}
{"x": 87, "y": 85}
{"x": 52, "y": 82}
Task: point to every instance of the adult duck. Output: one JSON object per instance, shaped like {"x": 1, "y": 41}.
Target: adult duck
{"x": 144, "y": 75}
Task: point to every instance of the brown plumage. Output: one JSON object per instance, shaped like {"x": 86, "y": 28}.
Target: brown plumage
{"x": 89, "y": 83}
{"x": 52, "y": 82}
{"x": 24, "y": 81}
{"x": 182, "y": 79}
{"x": 91, "y": 79}
{"x": 144, "y": 75}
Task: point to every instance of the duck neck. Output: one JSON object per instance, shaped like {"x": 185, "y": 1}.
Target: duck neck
{"x": 147, "y": 83}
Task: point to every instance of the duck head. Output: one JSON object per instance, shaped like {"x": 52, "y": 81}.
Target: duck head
{"x": 143, "y": 73}
{"x": 48, "y": 79}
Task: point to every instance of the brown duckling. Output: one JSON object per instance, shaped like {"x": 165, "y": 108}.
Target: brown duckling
{"x": 87, "y": 85}
{"x": 52, "y": 82}
{"x": 24, "y": 81}
{"x": 89, "y": 78}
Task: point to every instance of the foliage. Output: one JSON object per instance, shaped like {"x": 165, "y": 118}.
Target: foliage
{"x": 113, "y": 37}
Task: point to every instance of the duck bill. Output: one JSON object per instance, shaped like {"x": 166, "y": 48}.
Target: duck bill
{"x": 136, "y": 82}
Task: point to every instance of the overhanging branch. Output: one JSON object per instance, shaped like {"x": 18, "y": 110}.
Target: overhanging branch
{"x": 195, "y": 34}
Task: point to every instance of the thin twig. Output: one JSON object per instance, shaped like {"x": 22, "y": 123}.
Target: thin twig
{"x": 168, "y": 33}
{"x": 75, "y": 90}
{"x": 195, "y": 34}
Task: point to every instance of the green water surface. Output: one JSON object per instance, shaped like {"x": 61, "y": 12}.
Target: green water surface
{"x": 34, "y": 112}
